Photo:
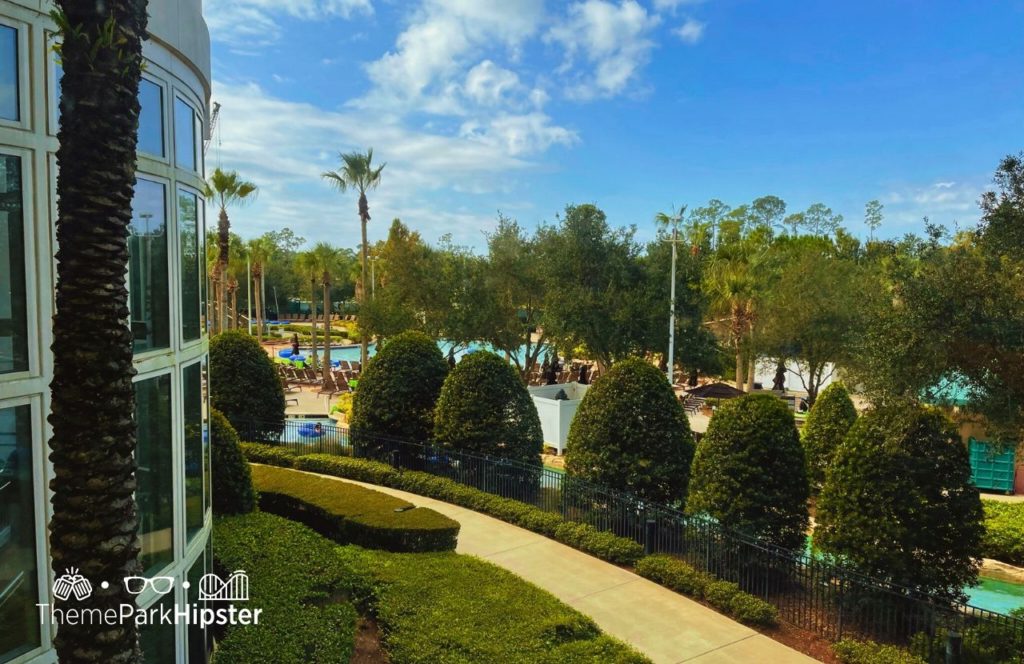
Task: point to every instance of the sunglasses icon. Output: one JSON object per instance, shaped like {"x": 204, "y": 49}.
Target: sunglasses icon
{"x": 161, "y": 585}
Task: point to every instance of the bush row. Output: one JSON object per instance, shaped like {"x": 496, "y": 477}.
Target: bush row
{"x": 603, "y": 545}
{"x": 348, "y": 513}
{"x": 723, "y": 595}
{"x": 295, "y": 578}
{"x": 867, "y": 652}
{"x": 1004, "y": 532}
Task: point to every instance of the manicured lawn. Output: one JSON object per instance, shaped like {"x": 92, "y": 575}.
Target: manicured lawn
{"x": 437, "y": 608}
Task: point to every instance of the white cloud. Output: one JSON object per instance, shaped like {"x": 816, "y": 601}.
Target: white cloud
{"x": 613, "y": 39}
{"x": 672, "y": 5}
{"x": 691, "y": 31}
{"x": 252, "y": 23}
{"x": 944, "y": 202}
{"x": 489, "y": 84}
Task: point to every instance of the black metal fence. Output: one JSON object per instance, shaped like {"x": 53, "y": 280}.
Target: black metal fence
{"x": 810, "y": 591}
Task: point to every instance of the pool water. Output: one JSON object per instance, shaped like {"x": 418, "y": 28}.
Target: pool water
{"x": 995, "y": 595}
{"x": 351, "y": 353}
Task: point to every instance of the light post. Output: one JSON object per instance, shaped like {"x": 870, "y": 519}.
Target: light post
{"x": 248, "y": 293}
{"x": 373, "y": 277}
{"x": 672, "y": 312}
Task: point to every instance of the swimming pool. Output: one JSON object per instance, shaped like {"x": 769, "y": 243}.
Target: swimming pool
{"x": 351, "y": 352}
{"x": 994, "y": 595}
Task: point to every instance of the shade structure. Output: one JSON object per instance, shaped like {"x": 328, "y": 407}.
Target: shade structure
{"x": 716, "y": 391}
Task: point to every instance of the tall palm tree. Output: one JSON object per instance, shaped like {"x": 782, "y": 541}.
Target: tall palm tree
{"x": 226, "y": 188}
{"x": 326, "y": 261}
{"x": 308, "y": 267}
{"x": 260, "y": 251}
{"x": 731, "y": 283}
{"x": 357, "y": 172}
{"x": 94, "y": 528}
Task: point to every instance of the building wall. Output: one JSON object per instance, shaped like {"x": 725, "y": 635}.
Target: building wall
{"x": 166, "y": 281}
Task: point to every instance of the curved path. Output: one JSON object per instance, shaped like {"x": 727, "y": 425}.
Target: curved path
{"x": 664, "y": 625}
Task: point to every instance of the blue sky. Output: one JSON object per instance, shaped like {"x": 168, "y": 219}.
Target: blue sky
{"x": 635, "y": 105}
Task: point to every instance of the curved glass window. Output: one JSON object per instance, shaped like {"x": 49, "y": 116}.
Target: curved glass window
{"x": 185, "y": 136}
{"x": 151, "y": 118}
{"x": 148, "y": 288}
{"x": 9, "y": 97}
{"x": 155, "y": 495}
{"x": 13, "y": 312}
{"x": 19, "y": 617}
{"x": 195, "y": 461}
{"x": 188, "y": 230}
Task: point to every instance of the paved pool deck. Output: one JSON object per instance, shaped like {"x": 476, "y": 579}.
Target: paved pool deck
{"x": 665, "y": 626}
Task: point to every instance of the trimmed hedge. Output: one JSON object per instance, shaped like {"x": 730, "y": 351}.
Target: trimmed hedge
{"x": 233, "y": 492}
{"x": 294, "y": 576}
{"x": 244, "y": 383}
{"x": 725, "y": 596}
{"x": 867, "y": 652}
{"x": 1004, "y": 532}
{"x": 446, "y": 608}
{"x": 271, "y": 455}
{"x": 348, "y": 513}
{"x": 586, "y": 538}
{"x": 827, "y": 424}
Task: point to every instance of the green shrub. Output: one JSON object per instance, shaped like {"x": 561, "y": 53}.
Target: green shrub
{"x": 397, "y": 392}
{"x": 720, "y": 594}
{"x": 349, "y": 513}
{"x": 244, "y": 384}
{"x": 609, "y": 547}
{"x": 442, "y": 607}
{"x": 749, "y": 471}
{"x": 993, "y": 641}
{"x": 898, "y": 502}
{"x": 753, "y": 610}
{"x": 866, "y": 652}
{"x": 674, "y": 574}
{"x": 233, "y": 492}
{"x": 272, "y": 455}
{"x": 827, "y": 424}
{"x": 631, "y": 433}
{"x": 484, "y": 408}
{"x": 1004, "y": 532}
{"x": 296, "y": 579}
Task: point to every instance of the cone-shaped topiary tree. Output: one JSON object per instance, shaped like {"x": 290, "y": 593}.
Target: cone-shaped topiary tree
{"x": 397, "y": 393}
{"x": 827, "y": 424}
{"x": 749, "y": 471}
{"x": 233, "y": 492}
{"x": 898, "y": 501}
{"x": 631, "y": 433}
{"x": 245, "y": 386}
{"x": 484, "y": 408}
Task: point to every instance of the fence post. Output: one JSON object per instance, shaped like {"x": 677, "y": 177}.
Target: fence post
{"x": 396, "y": 458}
{"x": 650, "y": 532}
{"x": 954, "y": 648}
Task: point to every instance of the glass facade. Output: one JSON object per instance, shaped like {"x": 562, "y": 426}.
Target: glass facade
{"x": 151, "y": 118}
{"x": 10, "y": 107}
{"x": 156, "y": 639}
{"x": 197, "y": 636}
{"x": 13, "y": 312}
{"x": 148, "y": 286}
{"x": 185, "y": 136}
{"x": 195, "y": 457}
{"x": 155, "y": 493}
{"x": 189, "y": 230}
{"x": 19, "y": 619}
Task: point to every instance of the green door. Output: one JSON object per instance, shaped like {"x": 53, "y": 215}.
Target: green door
{"x": 991, "y": 470}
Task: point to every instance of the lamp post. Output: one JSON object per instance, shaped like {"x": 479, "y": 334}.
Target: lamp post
{"x": 672, "y": 311}
{"x": 373, "y": 277}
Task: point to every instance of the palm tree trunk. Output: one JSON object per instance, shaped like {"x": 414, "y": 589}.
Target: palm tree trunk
{"x": 256, "y": 298}
{"x": 95, "y": 521}
{"x": 327, "y": 330}
{"x": 312, "y": 317}
{"x": 364, "y": 344}
{"x": 739, "y": 366}
{"x": 223, "y": 257}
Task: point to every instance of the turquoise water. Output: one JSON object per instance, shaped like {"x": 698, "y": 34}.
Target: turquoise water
{"x": 998, "y": 596}
{"x": 351, "y": 353}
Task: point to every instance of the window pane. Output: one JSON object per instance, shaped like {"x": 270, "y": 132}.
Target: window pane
{"x": 19, "y": 618}
{"x": 147, "y": 268}
{"x": 184, "y": 135}
{"x": 193, "y": 381}
{"x": 157, "y": 639}
{"x": 9, "y": 73}
{"x": 151, "y": 118}
{"x": 13, "y": 315}
{"x": 154, "y": 495}
{"x": 188, "y": 227}
{"x": 207, "y": 464}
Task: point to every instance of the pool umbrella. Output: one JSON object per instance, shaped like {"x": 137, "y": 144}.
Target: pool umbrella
{"x": 716, "y": 391}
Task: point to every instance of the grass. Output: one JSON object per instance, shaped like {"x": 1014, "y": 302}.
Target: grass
{"x": 1004, "y": 531}
{"x": 437, "y": 608}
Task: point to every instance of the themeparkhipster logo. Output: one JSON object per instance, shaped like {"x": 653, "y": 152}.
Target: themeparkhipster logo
{"x": 72, "y": 586}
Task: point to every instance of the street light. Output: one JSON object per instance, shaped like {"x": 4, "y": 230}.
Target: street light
{"x": 671, "y": 361}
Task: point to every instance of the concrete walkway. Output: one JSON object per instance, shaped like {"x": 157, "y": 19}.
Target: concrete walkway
{"x": 665, "y": 626}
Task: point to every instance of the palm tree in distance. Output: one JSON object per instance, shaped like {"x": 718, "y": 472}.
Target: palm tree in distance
{"x": 260, "y": 251}
{"x": 308, "y": 267}
{"x": 226, "y": 188}
{"x": 94, "y": 527}
{"x": 357, "y": 172}
{"x": 326, "y": 261}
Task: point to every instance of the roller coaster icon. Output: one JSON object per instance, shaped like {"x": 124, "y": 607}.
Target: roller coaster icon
{"x": 233, "y": 589}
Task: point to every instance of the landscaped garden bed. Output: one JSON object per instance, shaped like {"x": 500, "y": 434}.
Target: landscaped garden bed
{"x": 430, "y": 607}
